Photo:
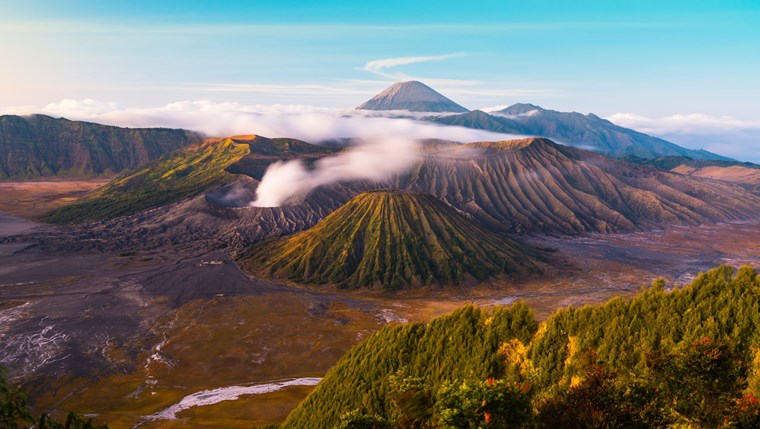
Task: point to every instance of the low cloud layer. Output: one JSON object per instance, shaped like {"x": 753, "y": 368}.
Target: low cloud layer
{"x": 220, "y": 119}
{"x": 387, "y": 145}
{"x": 375, "y": 159}
{"x": 723, "y": 135}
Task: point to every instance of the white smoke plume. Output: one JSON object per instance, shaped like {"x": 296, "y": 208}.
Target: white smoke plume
{"x": 374, "y": 159}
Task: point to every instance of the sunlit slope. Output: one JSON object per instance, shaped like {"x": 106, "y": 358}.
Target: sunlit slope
{"x": 184, "y": 174}
{"x": 657, "y": 360}
{"x": 536, "y": 185}
{"x": 392, "y": 240}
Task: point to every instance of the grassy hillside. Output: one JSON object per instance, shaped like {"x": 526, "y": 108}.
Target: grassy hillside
{"x": 183, "y": 174}
{"x": 40, "y": 146}
{"x": 685, "y": 358}
{"x": 390, "y": 239}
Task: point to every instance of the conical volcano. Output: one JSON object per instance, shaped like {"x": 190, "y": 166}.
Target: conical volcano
{"x": 412, "y": 96}
{"x": 393, "y": 240}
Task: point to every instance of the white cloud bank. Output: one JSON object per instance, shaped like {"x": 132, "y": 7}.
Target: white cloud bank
{"x": 723, "y": 135}
{"x": 221, "y": 119}
{"x": 388, "y": 145}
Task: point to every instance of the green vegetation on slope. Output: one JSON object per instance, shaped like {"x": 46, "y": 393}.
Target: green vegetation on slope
{"x": 687, "y": 358}
{"x": 462, "y": 345}
{"x": 41, "y": 146}
{"x": 186, "y": 173}
{"x": 183, "y": 174}
{"x": 392, "y": 239}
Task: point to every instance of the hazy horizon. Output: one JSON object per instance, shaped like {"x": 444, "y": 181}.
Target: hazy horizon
{"x": 684, "y": 71}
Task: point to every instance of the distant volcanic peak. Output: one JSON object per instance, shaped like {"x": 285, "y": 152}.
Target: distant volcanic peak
{"x": 390, "y": 239}
{"x": 412, "y": 96}
{"x": 521, "y": 109}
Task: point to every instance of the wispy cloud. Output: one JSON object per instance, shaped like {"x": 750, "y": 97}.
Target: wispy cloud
{"x": 381, "y": 68}
{"x": 378, "y": 66}
{"x": 683, "y": 123}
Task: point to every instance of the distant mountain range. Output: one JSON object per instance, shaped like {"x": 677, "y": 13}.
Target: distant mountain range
{"x": 574, "y": 129}
{"x": 40, "y": 146}
{"x": 571, "y": 128}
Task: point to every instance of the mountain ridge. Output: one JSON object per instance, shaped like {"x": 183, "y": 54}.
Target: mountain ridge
{"x": 42, "y": 146}
{"x": 573, "y": 129}
{"x": 534, "y": 186}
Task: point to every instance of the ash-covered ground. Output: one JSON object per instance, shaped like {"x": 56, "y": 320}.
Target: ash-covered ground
{"x": 123, "y": 333}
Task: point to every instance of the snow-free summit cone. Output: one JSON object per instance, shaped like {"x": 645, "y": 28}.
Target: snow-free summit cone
{"x": 412, "y": 96}
{"x": 391, "y": 240}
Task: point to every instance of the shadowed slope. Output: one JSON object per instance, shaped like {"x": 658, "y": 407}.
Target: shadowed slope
{"x": 392, "y": 240}
{"x": 539, "y": 186}
{"x": 745, "y": 173}
{"x": 40, "y": 146}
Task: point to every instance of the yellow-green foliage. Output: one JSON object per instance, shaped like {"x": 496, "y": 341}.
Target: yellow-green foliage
{"x": 181, "y": 175}
{"x": 391, "y": 239}
{"x": 625, "y": 333}
{"x": 686, "y": 357}
{"x": 458, "y": 346}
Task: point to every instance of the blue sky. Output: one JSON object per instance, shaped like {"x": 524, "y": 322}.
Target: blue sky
{"x": 647, "y": 59}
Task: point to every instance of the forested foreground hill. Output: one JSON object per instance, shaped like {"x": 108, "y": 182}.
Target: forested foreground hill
{"x": 685, "y": 358}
